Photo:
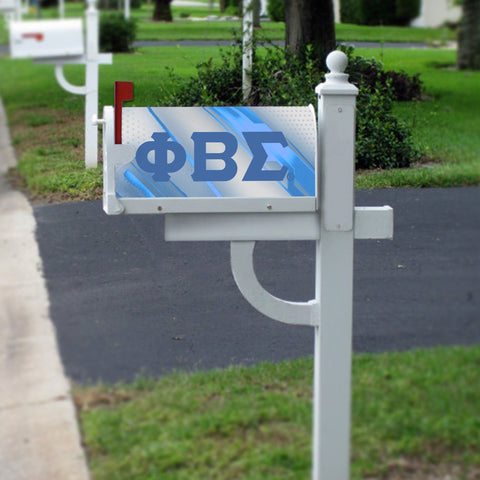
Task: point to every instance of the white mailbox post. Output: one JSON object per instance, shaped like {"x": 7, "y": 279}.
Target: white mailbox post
{"x": 248, "y": 174}
{"x": 247, "y": 47}
{"x": 61, "y": 42}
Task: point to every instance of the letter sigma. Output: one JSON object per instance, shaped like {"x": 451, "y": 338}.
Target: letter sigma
{"x": 227, "y": 143}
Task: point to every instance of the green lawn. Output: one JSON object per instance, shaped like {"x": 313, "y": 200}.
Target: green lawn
{"x": 414, "y": 414}
{"x": 445, "y": 125}
{"x": 187, "y": 29}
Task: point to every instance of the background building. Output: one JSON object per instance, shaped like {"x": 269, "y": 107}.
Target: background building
{"x": 433, "y": 13}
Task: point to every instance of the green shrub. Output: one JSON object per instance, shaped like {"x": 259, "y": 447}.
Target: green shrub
{"x": 368, "y": 74}
{"x": 213, "y": 85}
{"x": 351, "y": 12}
{"x": 406, "y": 11}
{"x": 279, "y": 78}
{"x": 117, "y": 4}
{"x": 379, "y": 12}
{"x": 382, "y": 140}
{"x": 49, "y": 3}
{"x": 276, "y": 10}
{"x": 234, "y": 7}
{"x": 117, "y": 34}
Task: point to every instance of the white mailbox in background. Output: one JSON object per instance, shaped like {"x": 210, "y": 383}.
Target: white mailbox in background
{"x": 62, "y": 42}
{"x": 45, "y": 39}
{"x": 12, "y": 9}
{"x": 8, "y": 6}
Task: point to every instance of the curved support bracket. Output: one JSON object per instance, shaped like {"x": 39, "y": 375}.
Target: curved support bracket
{"x": 295, "y": 313}
{"x": 76, "y": 90}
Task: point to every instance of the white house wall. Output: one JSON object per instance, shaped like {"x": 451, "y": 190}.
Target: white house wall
{"x": 435, "y": 13}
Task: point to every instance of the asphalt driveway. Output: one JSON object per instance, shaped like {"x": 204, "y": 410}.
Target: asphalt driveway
{"x": 125, "y": 302}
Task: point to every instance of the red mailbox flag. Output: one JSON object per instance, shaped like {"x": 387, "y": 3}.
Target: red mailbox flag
{"x": 123, "y": 93}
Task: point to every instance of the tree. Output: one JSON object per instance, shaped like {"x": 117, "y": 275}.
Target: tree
{"x": 310, "y": 22}
{"x": 162, "y": 11}
{"x": 256, "y": 14}
{"x": 469, "y": 36}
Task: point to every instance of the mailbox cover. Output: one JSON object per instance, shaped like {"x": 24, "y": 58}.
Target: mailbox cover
{"x": 46, "y": 39}
{"x": 208, "y": 159}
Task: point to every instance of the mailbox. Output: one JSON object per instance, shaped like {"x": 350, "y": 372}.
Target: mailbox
{"x": 46, "y": 39}
{"x": 210, "y": 159}
{"x": 8, "y": 6}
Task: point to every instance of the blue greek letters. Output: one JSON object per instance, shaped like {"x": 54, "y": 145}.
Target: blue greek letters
{"x": 255, "y": 171}
{"x": 201, "y": 173}
{"x": 206, "y": 166}
{"x": 161, "y": 167}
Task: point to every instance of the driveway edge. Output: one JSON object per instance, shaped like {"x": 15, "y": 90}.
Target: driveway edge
{"x": 39, "y": 435}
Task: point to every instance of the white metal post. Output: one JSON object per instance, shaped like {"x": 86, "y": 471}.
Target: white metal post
{"x": 18, "y": 11}
{"x": 334, "y": 274}
{"x": 247, "y": 46}
{"x": 92, "y": 59}
{"x": 126, "y": 8}
{"x": 332, "y": 222}
{"x": 91, "y": 83}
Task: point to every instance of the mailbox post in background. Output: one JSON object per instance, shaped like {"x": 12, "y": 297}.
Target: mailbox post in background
{"x": 294, "y": 198}
{"x": 61, "y": 42}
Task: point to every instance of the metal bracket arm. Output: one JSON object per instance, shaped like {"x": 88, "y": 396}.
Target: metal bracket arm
{"x": 62, "y": 81}
{"x": 369, "y": 223}
{"x": 296, "y": 313}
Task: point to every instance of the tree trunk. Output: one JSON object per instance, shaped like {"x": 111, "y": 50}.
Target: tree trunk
{"x": 310, "y": 22}
{"x": 469, "y": 36}
{"x": 162, "y": 12}
{"x": 256, "y": 13}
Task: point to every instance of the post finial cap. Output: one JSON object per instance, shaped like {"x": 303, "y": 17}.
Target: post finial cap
{"x": 337, "y": 61}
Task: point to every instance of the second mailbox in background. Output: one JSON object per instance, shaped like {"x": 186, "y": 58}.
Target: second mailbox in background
{"x": 8, "y": 6}
{"x": 47, "y": 39}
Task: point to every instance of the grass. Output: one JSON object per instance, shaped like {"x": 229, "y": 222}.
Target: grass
{"x": 413, "y": 413}
{"x": 361, "y": 33}
{"x": 186, "y": 29}
{"x": 445, "y": 125}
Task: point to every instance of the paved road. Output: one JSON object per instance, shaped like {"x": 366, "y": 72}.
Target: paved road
{"x": 125, "y": 302}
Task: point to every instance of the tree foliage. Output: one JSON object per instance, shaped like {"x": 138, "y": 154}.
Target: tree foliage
{"x": 379, "y": 12}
